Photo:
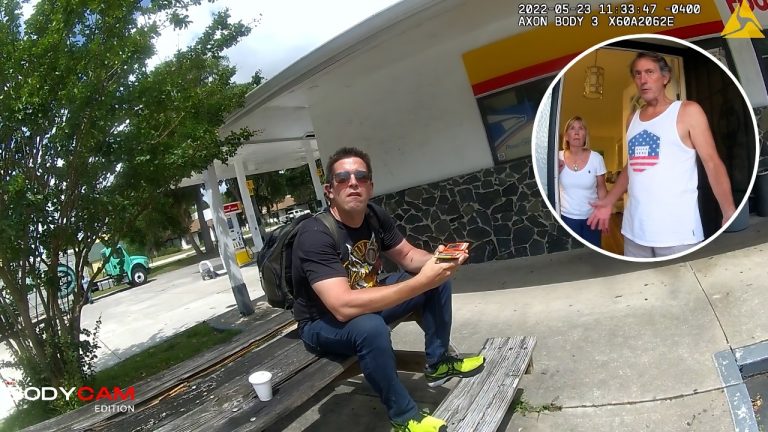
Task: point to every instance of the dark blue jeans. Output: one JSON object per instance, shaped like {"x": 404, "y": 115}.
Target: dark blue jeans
{"x": 580, "y": 227}
{"x": 368, "y": 337}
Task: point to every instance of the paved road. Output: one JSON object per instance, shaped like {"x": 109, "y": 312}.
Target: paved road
{"x": 140, "y": 317}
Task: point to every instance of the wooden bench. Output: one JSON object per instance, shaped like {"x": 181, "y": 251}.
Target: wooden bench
{"x": 478, "y": 404}
{"x": 297, "y": 375}
{"x": 211, "y": 392}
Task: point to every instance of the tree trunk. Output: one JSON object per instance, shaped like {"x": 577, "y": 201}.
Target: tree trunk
{"x": 191, "y": 240}
{"x": 234, "y": 188}
{"x": 210, "y": 250}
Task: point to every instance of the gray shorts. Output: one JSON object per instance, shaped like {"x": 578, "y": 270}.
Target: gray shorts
{"x": 634, "y": 250}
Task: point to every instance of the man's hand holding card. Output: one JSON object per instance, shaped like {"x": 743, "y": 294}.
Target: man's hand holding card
{"x": 453, "y": 251}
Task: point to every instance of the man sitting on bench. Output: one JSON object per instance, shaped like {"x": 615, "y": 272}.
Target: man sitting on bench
{"x": 336, "y": 316}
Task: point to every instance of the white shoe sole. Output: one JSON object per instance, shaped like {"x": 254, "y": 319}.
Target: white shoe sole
{"x": 438, "y": 382}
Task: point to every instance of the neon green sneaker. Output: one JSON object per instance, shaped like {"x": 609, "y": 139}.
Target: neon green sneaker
{"x": 451, "y": 366}
{"x": 425, "y": 423}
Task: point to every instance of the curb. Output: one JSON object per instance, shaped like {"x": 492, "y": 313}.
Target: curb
{"x": 734, "y": 366}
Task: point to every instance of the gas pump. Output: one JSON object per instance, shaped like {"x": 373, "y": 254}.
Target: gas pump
{"x": 243, "y": 254}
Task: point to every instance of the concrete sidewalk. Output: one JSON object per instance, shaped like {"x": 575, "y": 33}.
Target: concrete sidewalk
{"x": 621, "y": 346}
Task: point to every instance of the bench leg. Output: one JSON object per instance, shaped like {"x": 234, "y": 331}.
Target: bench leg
{"x": 453, "y": 350}
{"x": 529, "y": 369}
{"x": 408, "y": 361}
{"x": 352, "y": 371}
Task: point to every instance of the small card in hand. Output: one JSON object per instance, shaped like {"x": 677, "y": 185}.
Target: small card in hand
{"x": 453, "y": 250}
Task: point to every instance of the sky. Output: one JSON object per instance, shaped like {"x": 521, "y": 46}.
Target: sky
{"x": 285, "y": 30}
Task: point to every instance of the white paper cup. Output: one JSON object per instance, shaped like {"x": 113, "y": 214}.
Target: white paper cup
{"x": 262, "y": 383}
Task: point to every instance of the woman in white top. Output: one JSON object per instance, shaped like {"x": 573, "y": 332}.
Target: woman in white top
{"x": 582, "y": 180}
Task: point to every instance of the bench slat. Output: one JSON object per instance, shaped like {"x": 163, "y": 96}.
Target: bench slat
{"x": 236, "y": 393}
{"x": 295, "y": 392}
{"x": 478, "y": 404}
{"x": 296, "y": 375}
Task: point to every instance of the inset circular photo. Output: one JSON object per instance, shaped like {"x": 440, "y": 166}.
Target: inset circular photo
{"x": 645, "y": 148}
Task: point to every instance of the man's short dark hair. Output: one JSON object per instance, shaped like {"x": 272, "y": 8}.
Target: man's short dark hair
{"x": 345, "y": 153}
{"x": 657, "y": 58}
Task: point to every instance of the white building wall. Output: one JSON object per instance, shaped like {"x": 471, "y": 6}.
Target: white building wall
{"x": 412, "y": 109}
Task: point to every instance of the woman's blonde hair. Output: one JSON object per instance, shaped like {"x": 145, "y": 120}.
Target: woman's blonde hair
{"x": 566, "y": 145}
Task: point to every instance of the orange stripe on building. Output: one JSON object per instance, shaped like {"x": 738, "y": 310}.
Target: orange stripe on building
{"x": 544, "y": 50}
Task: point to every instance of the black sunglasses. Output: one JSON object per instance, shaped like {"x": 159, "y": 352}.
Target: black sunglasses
{"x": 343, "y": 177}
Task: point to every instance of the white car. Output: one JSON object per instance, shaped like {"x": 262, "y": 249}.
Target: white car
{"x": 293, "y": 214}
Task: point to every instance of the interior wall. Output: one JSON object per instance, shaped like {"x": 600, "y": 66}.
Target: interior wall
{"x": 606, "y": 145}
{"x": 603, "y": 116}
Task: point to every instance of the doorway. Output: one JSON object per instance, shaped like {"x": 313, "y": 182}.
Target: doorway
{"x": 694, "y": 77}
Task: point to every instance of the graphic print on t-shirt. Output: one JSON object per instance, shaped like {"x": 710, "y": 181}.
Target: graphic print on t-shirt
{"x": 643, "y": 151}
{"x": 363, "y": 265}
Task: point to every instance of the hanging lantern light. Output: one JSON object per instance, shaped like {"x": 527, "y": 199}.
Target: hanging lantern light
{"x": 594, "y": 78}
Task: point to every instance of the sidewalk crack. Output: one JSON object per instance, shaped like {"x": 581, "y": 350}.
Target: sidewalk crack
{"x": 711, "y": 306}
{"x": 644, "y": 401}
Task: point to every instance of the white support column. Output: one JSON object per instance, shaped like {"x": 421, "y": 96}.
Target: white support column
{"x": 226, "y": 250}
{"x": 309, "y": 156}
{"x": 211, "y": 183}
{"x": 250, "y": 215}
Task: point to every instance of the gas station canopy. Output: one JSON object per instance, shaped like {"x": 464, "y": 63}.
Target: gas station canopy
{"x": 259, "y": 156}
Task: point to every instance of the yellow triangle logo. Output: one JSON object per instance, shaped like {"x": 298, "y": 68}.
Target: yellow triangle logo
{"x": 742, "y": 24}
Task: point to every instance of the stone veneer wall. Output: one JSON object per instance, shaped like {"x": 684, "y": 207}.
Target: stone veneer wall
{"x": 761, "y": 114}
{"x": 499, "y": 210}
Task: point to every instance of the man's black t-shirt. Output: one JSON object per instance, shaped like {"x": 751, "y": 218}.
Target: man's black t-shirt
{"x": 316, "y": 258}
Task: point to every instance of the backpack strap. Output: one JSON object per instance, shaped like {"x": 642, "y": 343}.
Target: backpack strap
{"x": 373, "y": 221}
{"x": 330, "y": 222}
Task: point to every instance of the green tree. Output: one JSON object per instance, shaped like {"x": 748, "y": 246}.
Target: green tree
{"x": 185, "y": 204}
{"x": 171, "y": 219}
{"x": 268, "y": 189}
{"x": 298, "y": 183}
{"x": 91, "y": 140}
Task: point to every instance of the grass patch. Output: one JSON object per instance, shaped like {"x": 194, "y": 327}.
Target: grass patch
{"x": 179, "y": 253}
{"x": 162, "y": 356}
{"x": 524, "y": 407}
{"x": 27, "y": 416}
{"x": 175, "y": 265}
{"x": 169, "y": 252}
{"x": 147, "y": 363}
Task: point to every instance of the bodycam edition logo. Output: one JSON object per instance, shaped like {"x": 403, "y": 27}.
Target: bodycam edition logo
{"x": 85, "y": 394}
{"x": 743, "y": 24}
